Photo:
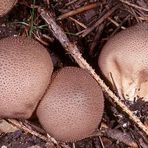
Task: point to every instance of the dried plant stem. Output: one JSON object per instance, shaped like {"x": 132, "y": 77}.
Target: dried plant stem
{"x": 133, "y": 5}
{"x": 78, "y": 22}
{"x": 77, "y": 11}
{"x": 102, "y": 19}
{"x": 48, "y": 139}
{"x": 74, "y": 51}
{"x": 21, "y": 126}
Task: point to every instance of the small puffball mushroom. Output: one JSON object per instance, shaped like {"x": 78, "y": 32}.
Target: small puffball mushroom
{"x": 73, "y": 106}
{"x": 25, "y": 72}
{"x": 124, "y": 62}
{"x": 6, "y": 5}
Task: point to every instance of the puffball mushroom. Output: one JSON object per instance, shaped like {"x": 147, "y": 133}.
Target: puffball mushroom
{"x": 6, "y": 5}
{"x": 73, "y": 106}
{"x": 25, "y": 72}
{"x": 124, "y": 62}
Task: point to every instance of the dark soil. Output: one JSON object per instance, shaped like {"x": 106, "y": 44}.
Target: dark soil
{"x": 19, "y": 139}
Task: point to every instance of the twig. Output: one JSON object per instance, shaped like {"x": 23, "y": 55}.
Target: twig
{"x": 71, "y": 2}
{"x": 28, "y": 129}
{"x": 78, "y": 22}
{"x": 21, "y": 126}
{"x": 77, "y": 11}
{"x": 96, "y": 39}
{"x": 120, "y": 25}
{"x": 119, "y": 136}
{"x": 74, "y": 51}
{"x": 102, "y": 19}
{"x": 133, "y": 5}
{"x": 115, "y": 23}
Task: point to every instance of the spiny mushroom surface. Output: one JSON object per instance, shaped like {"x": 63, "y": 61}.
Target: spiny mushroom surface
{"x": 73, "y": 106}
{"x": 124, "y": 62}
{"x": 25, "y": 72}
{"x": 6, "y": 5}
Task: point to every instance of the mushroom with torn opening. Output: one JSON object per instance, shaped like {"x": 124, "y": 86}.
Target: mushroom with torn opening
{"x": 73, "y": 106}
{"x": 124, "y": 62}
{"x": 25, "y": 72}
{"x": 6, "y": 6}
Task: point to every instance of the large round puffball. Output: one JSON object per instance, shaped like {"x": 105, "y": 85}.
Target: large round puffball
{"x": 124, "y": 62}
{"x": 6, "y": 6}
{"x": 73, "y": 106}
{"x": 25, "y": 72}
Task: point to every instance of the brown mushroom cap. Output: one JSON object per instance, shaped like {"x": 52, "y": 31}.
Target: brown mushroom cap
{"x": 73, "y": 106}
{"x": 124, "y": 61}
{"x": 25, "y": 72}
{"x": 6, "y": 5}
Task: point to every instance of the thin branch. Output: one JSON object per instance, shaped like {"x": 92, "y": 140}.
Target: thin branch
{"x": 21, "y": 126}
{"x": 115, "y": 23}
{"x": 78, "y": 22}
{"x": 102, "y": 19}
{"x": 77, "y": 11}
{"x": 133, "y": 5}
{"x": 119, "y": 136}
